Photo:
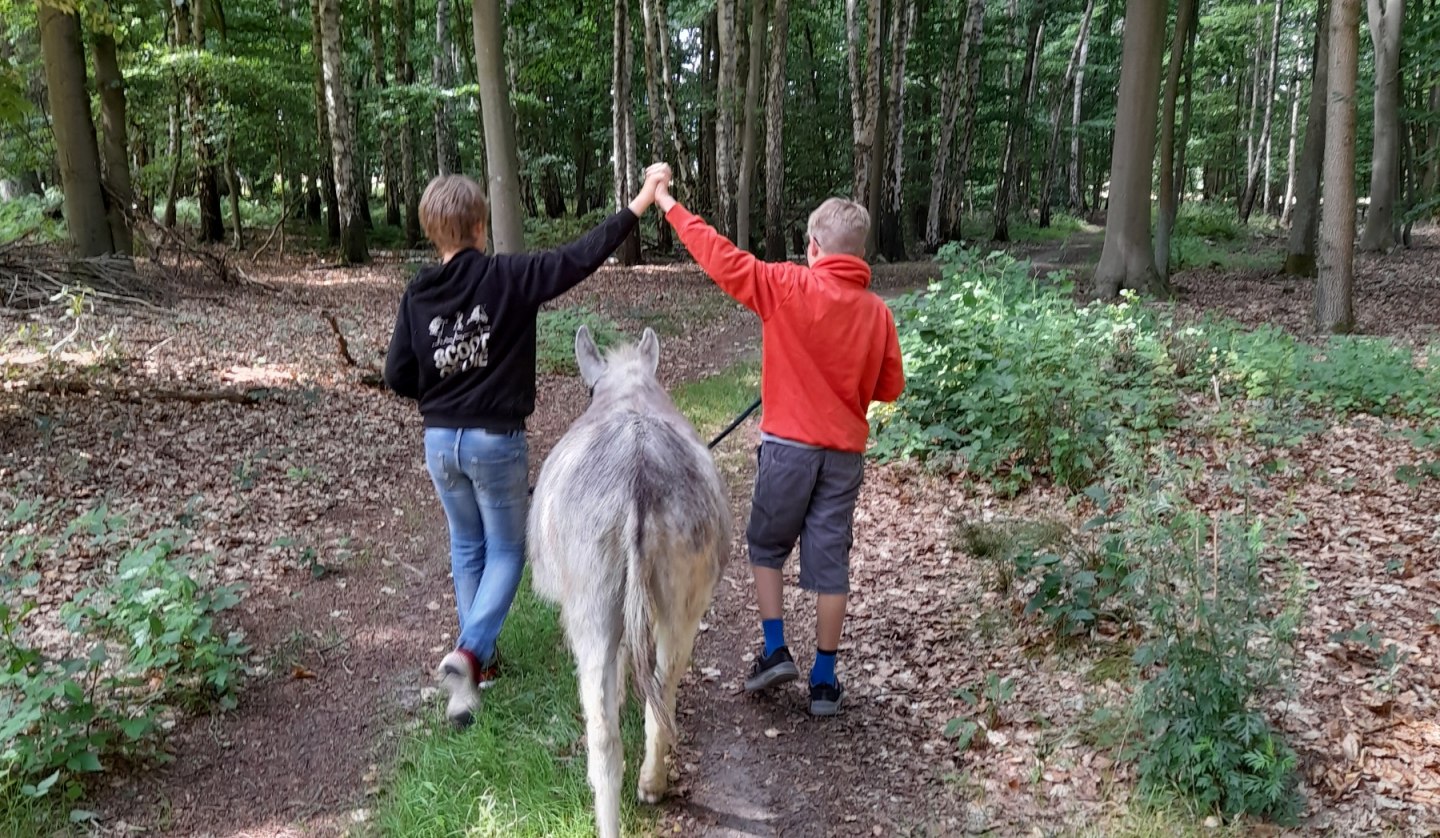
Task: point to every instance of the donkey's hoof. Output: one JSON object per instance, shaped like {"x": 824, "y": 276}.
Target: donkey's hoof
{"x": 651, "y": 794}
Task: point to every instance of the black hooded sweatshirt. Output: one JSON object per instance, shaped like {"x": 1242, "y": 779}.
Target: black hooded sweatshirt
{"x": 464, "y": 341}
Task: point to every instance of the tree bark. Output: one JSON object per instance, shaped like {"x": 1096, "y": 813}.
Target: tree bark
{"x": 657, "y": 101}
{"x": 212, "y": 223}
{"x": 76, "y": 151}
{"x": 409, "y": 177}
{"x": 950, "y": 98}
{"x": 1016, "y": 137}
{"x": 707, "y": 187}
{"x": 323, "y": 142}
{"x": 177, "y": 141}
{"x": 1169, "y": 199}
{"x": 1300, "y": 255}
{"x": 891, "y": 240}
{"x": 393, "y": 189}
{"x": 1286, "y": 207}
{"x": 507, "y": 220}
{"x": 1047, "y": 178}
{"x": 725, "y": 89}
{"x": 775, "y": 135}
{"x": 354, "y": 247}
{"x": 114, "y": 149}
{"x": 1387, "y": 20}
{"x": 447, "y": 151}
{"x": 759, "y": 14}
{"x": 864, "y": 73}
{"x": 1127, "y": 261}
{"x": 622, "y": 129}
{"x": 955, "y": 203}
{"x": 1260, "y": 162}
{"x": 1334, "y": 292}
{"x": 1077, "y": 159}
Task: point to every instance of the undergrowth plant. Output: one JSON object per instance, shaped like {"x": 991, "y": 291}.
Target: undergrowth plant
{"x": 142, "y": 639}
{"x": 555, "y": 340}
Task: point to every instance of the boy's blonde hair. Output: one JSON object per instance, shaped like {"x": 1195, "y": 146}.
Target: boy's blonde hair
{"x": 451, "y": 209}
{"x": 840, "y": 226}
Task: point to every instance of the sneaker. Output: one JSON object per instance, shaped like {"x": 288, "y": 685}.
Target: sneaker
{"x": 771, "y": 670}
{"x": 488, "y": 674}
{"x": 459, "y": 676}
{"x": 825, "y": 699}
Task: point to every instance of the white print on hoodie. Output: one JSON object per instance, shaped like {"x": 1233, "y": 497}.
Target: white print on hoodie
{"x": 465, "y": 345}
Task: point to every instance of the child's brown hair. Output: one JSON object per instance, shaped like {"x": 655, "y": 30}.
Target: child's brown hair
{"x": 451, "y": 210}
{"x": 840, "y": 226}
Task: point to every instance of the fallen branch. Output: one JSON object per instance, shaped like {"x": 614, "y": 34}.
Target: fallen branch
{"x": 250, "y": 397}
{"x": 370, "y": 376}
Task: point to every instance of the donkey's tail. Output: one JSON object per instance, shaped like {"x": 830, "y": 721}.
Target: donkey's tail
{"x": 640, "y": 612}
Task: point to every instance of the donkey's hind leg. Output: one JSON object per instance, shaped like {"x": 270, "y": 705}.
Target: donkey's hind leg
{"x": 672, "y": 655}
{"x": 600, "y": 696}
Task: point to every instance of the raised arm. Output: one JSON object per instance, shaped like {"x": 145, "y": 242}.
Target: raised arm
{"x": 759, "y": 286}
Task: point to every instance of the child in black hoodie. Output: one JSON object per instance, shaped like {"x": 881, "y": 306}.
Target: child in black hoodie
{"x": 464, "y": 348}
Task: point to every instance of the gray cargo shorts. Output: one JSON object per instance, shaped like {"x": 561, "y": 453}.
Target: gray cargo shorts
{"x": 806, "y": 494}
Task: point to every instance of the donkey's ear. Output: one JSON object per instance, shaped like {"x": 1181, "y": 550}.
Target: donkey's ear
{"x": 587, "y": 355}
{"x": 650, "y": 349}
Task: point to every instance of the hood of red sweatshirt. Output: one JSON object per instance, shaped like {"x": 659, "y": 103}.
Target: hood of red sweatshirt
{"x": 843, "y": 268}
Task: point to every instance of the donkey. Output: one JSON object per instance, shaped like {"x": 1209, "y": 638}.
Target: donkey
{"x": 629, "y": 530}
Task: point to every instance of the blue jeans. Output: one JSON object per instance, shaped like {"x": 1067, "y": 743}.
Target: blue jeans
{"x": 483, "y": 483}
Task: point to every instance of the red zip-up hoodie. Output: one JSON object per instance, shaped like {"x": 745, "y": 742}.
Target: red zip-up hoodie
{"x": 830, "y": 346}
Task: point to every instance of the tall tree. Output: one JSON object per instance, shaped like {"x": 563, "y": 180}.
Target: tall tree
{"x": 622, "y": 135}
{"x": 409, "y": 176}
{"x": 1127, "y": 261}
{"x": 77, "y": 154}
{"x": 1387, "y": 19}
{"x": 1286, "y": 203}
{"x": 667, "y": 91}
{"x": 954, "y": 204}
{"x": 1334, "y": 292}
{"x": 115, "y": 145}
{"x": 1047, "y": 178}
{"x": 387, "y": 142}
{"x": 324, "y": 144}
{"x": 1300, "y": 252}
{"x": 951, "y": 85}
{"x": 725, "y": 89}
{"x": 657, "y": 99}
{"x": 1016, "y": 137}
{"x": 507, "y": 217}
{"x": 775, "y": 135}
{"x": 1169, "y": 191}
{"x": 212, "y": 222}
{"x": 1077, "y": 161}
{"x": 864, "y": 71}
{"x": 1260, "y": 161}
{"x": 759, "y": 15}
{"x": 354, "y": 245}
{"x": 447, "y": 150}
{"x": 891, "y": 238}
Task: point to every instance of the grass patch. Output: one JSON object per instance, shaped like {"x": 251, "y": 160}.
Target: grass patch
{"x": 555, "y": 342}
{"x": 520, "y": 770}
{"x": 712, "y": 403}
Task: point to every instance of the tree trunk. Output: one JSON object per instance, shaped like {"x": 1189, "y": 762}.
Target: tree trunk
{"x": 1260, "y": 161}
{"x": 1127, "y": 260}
{"x": 1169, "y": 199}
{"x": 1300, "y": 255}
{"x": 1334, "y": 292}
{"x": 725, "y": 88}
{"x": 759, "y": 12}
{"x": 447, "y": 152}
{"x": 657, "y": 101}
{"x": 323, "y": 143}
{"x": 507, "y": 221}
{"x": 212, "y": 223}
{"x": 76, "y": 151}
{"x": 232, "y": 185}
{"x": 1387, "y": 19}
{"x": 1286, "y": 207}
{"x": 951, "y": 223}
{"x": 1047, "y": 178}
{"x": 891, "y": 240}
{"x": 409, "y": 177}
{"x": 177, "y": 141}
{"x": 864, "y": 73}
{"x": 707, "y": 187}
{"x": 1182, "y": 174}
{"x": 1016, "y": 137}
{"x": 387, "y": 142}
{"x": 621, "y": 127}
{"x": 774, "y": 135}
{"x": 354, "y": 248}
{"x": 1077, "y": 159}
{"x": 950, "y": 98}
{"x": 114, "y": 149}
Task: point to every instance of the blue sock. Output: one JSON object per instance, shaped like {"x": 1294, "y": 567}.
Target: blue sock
{"x": 824, "y": 669}
{"x": 774, "y": 635}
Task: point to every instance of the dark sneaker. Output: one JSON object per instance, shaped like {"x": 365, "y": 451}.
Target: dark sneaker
{"x": 772, "y": 670}
{"x": 825, "y": 699}
{"x": 459, "y": 678}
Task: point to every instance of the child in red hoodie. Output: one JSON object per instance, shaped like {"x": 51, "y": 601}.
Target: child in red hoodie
{"x": 830, "y": 349}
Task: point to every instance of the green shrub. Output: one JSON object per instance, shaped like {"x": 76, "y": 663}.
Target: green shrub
{"x": 145, "y": 639}
{"x": 31, "y": 214}
{"x": 555, "y": 342}
{"x": 1007, "y": 373}
{"x": 549, "y": 233}
{"x": 1206, "y": 221}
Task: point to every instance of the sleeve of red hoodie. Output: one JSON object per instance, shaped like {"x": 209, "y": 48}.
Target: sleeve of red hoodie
{"x": 892, "y": 369}
{"x": 759, "y": 286}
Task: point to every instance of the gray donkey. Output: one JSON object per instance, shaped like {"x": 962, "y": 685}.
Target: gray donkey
{"x": 629, "y": 530}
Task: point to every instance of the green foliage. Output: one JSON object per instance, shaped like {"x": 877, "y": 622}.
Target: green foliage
{"x": 1007, "y": 373}
{"x": 555, "y": 342}
{"x": 549, "y": 233}
{"x": 141, "y": 639}
{"x": 31, "y": 214}
{"x": 1211, "y": 222}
